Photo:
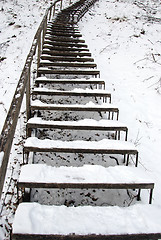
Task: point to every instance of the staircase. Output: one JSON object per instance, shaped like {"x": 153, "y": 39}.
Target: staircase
{"x": 64, "y": 51}
{"x": 76, "y": 149}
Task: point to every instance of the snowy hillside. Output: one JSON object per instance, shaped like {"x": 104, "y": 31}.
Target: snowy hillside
{"x": 19, "y": 20}
{"x": 124, "y": 38}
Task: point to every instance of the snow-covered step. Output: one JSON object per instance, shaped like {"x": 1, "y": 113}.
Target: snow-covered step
{"x": 63, "y": 29}
{"x": 85, "y": 124}
{"x": 89, "y": 107}
{"x": 50, "y": 46}
{"x": 63, "y": 26}
{"x": 60, "y": 33}
{"x": 55, "y": 29}
{"x": 56, "y": 32}
{"x": 65, "y": 53}
{"x": 104, "y": 146}
{"x": 66, "y": 58}
{"x": 81, "y": 81}
{"x": 75, "y": 92}
{"x": 88, "y": 176}
{"x": 46, "y": 70}
{"x": 67, "y": 44}
{"x": 140, "y": 221}
{"x": 63, "y": 39}
{"x": 50, "y": 64}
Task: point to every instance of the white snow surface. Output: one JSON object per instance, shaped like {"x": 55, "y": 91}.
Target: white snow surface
{"x": 90, "y": 104}
{"x": 75, "y": 80}
{"x": 124, "y": 38}
{"x": 1, "y": 157}
{"x": 42, "y": 219}
{"x": 105, "y": 144}
{"x": 126, "y": 47}
{"x": 83, "y": 122}
{"x": 77, "y": 90}
{"x": 19, "y": 21}
{"x": 86, "y": 174}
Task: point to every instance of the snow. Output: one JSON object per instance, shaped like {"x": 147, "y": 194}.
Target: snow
{"x": 84, "y": 122}
{"x": 41, "y": 78}
{"x": 87, "y": 105}
{"x": 105, "y": 144}
{"x": 86, "y": 174}
{"x": 75, "y": 80}
{"x": 77, "y": 90}
{"x": 84, "y": 69}
{"x": 45, "y": 61}
{"x": 124, "y": 38}
{"x": 1, "y": 157}
{"x": 42, "y": 219}
{"x": 19, "y": 21}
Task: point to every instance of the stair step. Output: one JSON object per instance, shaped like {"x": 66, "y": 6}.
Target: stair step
{"x": 75, "y": 92}
{"x": 63, "y": 26}
{"x": 63, "y": 39}
{"x": 85, "y": 124}
{"x": 90, "y": 81}
{"x": 59, "y": 48}
{"x": 63, "y": 34}
{"x": 90, "y": 107}
{"x": 58, "y": 31}
{"x": 50, "y": 64}
{"x": 43, "y": 70}
{"x": 73, "y": 35}
{"x": 67, "y": 44}
{"x": 65, "y": 53}
{"x": 104, "y": 146}
{"x": 56, "y": 24}
{"x": 63, "y": 30}
{"x": 66, "y": 59}
{"x": 138, "y": 221}
{"x": 88, "y": 176}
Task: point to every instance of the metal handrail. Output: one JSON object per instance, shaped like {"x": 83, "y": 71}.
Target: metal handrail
{"x": 8, "y": 131}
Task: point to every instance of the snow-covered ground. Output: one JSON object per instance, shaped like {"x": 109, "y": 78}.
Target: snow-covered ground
{"x": 19, "y": 20}
{"x": 124, "y": 38}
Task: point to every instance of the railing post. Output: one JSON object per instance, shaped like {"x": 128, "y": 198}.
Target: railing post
{"x": 44, "y": 29}
{"x": 28, "y": 93}
{"x": 38, "y": 51}
{"x": 50, "y": 14}
{"x": 61, "y": 4}
{"x": 54, "y": 10}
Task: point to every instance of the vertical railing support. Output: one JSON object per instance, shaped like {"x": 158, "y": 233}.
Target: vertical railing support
{"x": 39, "y": 48}
{"x": 28, "y": 93}
{"x": 44, "y": 30}
{"x": 61, "y": 4}
{"x": 50, "y": 12}
{"x": 54, "y": 11}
